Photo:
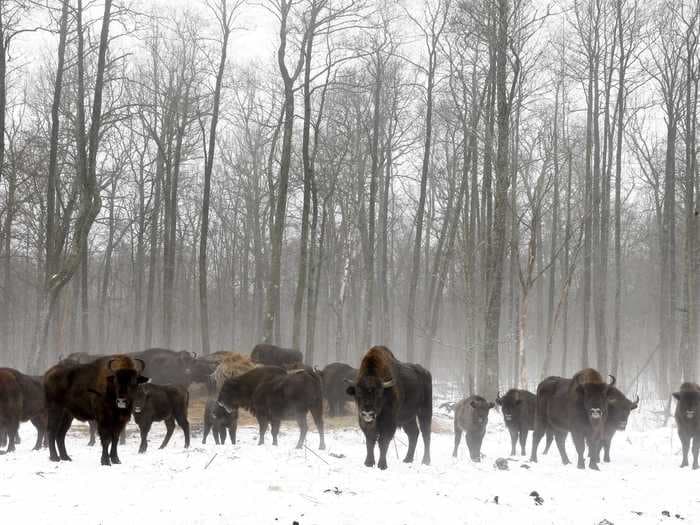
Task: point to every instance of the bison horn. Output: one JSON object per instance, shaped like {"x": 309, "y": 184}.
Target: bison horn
{"x": 388, "y": 384}
{"x": 142, "y": 364}
{"x": 612, "y": 380}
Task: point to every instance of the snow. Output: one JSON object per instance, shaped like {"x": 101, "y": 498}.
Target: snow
{"x": 246, "y": 483}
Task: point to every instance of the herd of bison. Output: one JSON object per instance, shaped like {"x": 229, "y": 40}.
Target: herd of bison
{"x": 274, "y": 385}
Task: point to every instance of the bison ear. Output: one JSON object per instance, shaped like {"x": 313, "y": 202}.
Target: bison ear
{"x": 350, "y": 390}
{"x": 140, "y": 363}
{"x": 141, "y": 380}
{"x": 677, "y": 395}
{"x": 473, "y": 404}
{"x": 491, "y": 405}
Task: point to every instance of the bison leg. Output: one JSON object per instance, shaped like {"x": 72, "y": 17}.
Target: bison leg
{"x": 170, "y": 428}
{"x": 548, "y": 441}
{"x": 12, "y": 431}
{"x": 40, "y": 431}
{"x": 513, "y": 440}
{"x": 262, "y": 423}
{"x": 317, "y": 414}
{"x": 370, "y": 440}
{"x": 384, "y": 441}
{"x": 232, "y": 428}
{"x": 207, "y": 429}
{"x": 560, "y": 438}
{"x": 580, "y": 444}
{"x": 425, "y": 420}
{"x": 523, "y": 440}
{"x": 474, "y": 445}
{"x": 696, "y": 451}
{"x": 105, "y": 441}
{"x": 113, "y": 456}
{"x": 61, "y": 437}
{"x": 221, "y": 431}
{"x": 181, "y": 418}
{"x": 144, "y": 428}
{"x": 458, "y": 438}
{"x": 685, "y": 443}
{"x": 411, "y": 429}
{"x": 275, "y": 430}
{"x": 53, "y": 426}
{"x": 606, "y": 449}
{"x": 537, "y": 435}
{"x": 303, "y": 429}
{"x": 93, "y": 430}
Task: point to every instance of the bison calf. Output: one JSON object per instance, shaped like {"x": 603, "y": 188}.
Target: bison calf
{"x": 518, "y": 408}
{"x": 688, "y": 420}
{"x": 161, "y": 403}
{"x": 471, "y": 417}
{"x": 217, "y": 421}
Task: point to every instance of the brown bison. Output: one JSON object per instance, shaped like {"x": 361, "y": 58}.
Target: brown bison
{"x": 10, "y": 405}
{"x": 271, "y": 355}
{"x": 518, "y": 407}
{"x": 166, "y": 403}
{"x": 471, "y": 417}
{"x": 335, "y": 378}
{"x": 688, "y": 420}
{"x": 217, "y": 421}
{"x": 32, "y": 407}
{"x": 391, "y": 394}
{"x": 102, "y": 391}
{"x": 290, "y": 396}
{"x": 578, "y": 405}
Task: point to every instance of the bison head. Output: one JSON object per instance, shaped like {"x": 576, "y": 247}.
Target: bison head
{"x": 688, "y": 407}
{"x": 510, "y": 403}
{"x": 123, "y": 381}
{"x": 141, "y": 398}
{"x": 619, "y": 409}
{"x": 231, "y": 396}
{"x": 369, "y": 393}
{"x": 594, "y": 397}
{"x": 480, "y": 411}
{"x": 187, "y": 361}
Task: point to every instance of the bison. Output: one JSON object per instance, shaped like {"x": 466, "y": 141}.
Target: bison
{"x": 166, "y": 403}
{"x": 271, "y": 355}
{"x": 471, "y": 417}
{"x": 291, "y": 395}
{"x": 578, "y": 405}
{"x": 170, "y": 367}
{"x": 619, "y": 409}
{"x": 518, "y": 408}
{"x": 335, "y": 377}
{"x": 688, "y": 420}
{"x": 102, "y": 391}
{"x": 32, "y": 407}
{"x": 10, "y": 405}
{"x": 217, "y": 421}
{"x": 391, "y": 394}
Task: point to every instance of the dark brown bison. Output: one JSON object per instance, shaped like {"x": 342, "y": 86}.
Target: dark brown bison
{"x": 167, "y": 403}
{"x": 290, "y": 396}
{"x": 471, "y": 417}
{"x": 32, "y": 407}
{"x": 10, "y": 406}
{"x": 619, "y": 409}
{"x": 335, "y": 382}
{"x": 688, "y": 420}
{"x": 518, "y": 407}
{"x": 391, "y": 394}
{"x": 271, "y": 355}
{"x": 170, "y": 367}
{"x": 102, "y": 391}
{"x": 218, "y": 421}
{"x": 578, "y": 405}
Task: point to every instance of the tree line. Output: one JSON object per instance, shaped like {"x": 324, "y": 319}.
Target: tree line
{"x": 498, "y": 189}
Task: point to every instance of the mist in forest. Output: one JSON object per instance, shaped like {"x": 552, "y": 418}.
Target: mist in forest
{"x": 500, "y": 190}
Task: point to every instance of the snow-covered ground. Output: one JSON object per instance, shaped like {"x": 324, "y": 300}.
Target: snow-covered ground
{"x": 249, "y": 484}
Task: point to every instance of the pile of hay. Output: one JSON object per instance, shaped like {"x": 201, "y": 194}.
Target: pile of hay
{"x": 231, "y": 365}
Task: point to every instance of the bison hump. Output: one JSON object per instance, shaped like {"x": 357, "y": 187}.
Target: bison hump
{"x": 377, "y": 362}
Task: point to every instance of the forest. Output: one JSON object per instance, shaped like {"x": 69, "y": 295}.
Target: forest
{"x": 500, "y": 190}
